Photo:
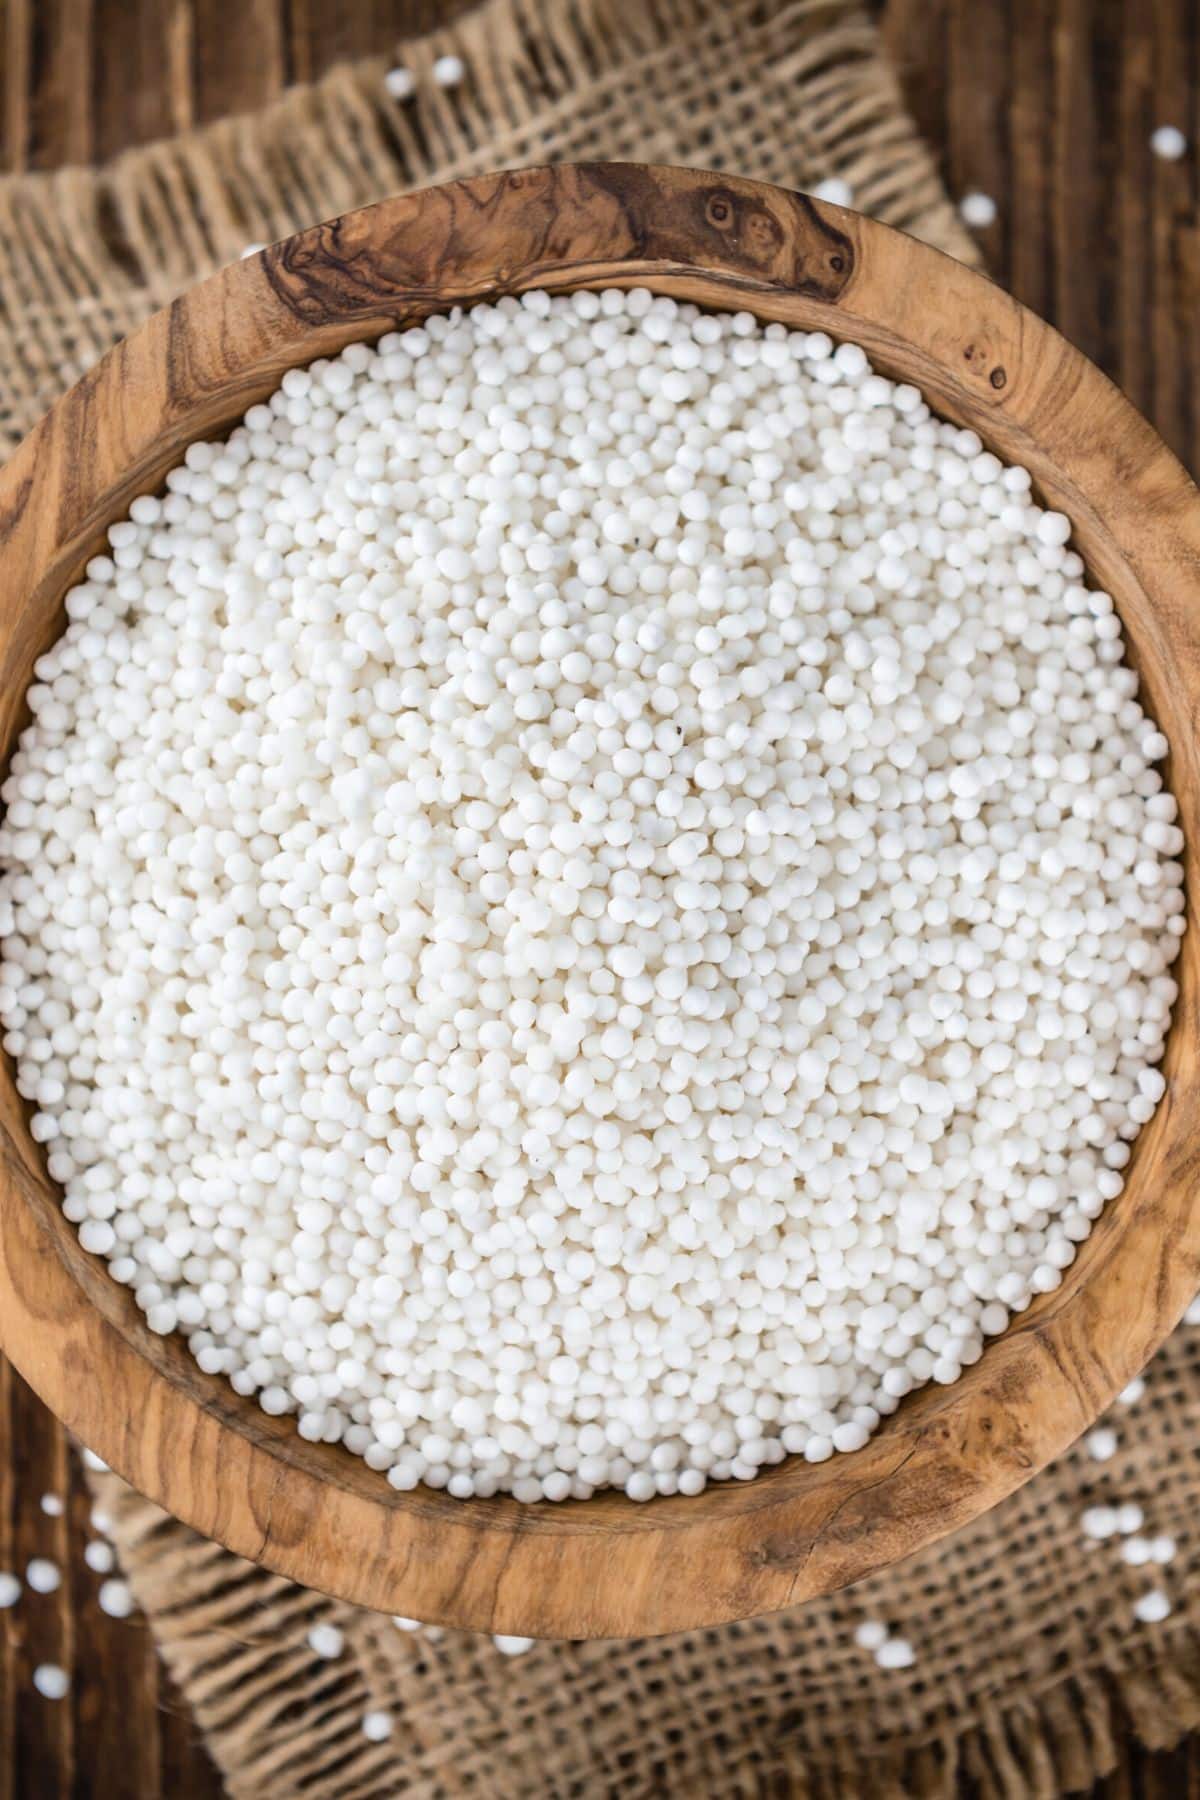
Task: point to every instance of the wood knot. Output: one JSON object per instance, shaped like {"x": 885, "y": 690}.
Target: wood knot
{"x": 749, "y": 229}
{"x": 778, "y": 1553}
{"x": 979, "y": 354}
{"x": 727, "y": 227}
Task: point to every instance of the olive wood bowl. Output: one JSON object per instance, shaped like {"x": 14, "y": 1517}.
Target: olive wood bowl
{"x": 606, "y": 1567}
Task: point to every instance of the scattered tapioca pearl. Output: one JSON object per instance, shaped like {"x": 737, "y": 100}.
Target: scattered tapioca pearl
{"x": 1101, "y": 1444}
{"x": 448, "y": 71}
{"x": 99, "y": 1557}
{"x": 116, "y": 1598}
{"x": 1113, "y": 1521}
{"x": 42, "y": 1575}
{"x": 1192, "y": 1315}
{"x": 101, "y": 1521}
{"x": 400, "y": 83}
{"x": 327, "y": 1641}
{"x": 1152, "y": 1607}
{"x": 251, "y": 250}
{"x": 50, "y": 1681}
{"x": 52, "y": 1506}
{"x": 513, "y": 1646}
{"x": 1129, "y": 1396}
{"x": 977, "y": 210}
{"x": 377, "y": 1725}
{"x": 1168, "y": 142}
{"x": 92, "y": 1461}
{"x": 889, "y": 1652}
{"x": 406, "y": 1624}
{"x": 835, "y": 190}
{"x": 10, "y": 1588}
{"x": 1138, "y": 1551}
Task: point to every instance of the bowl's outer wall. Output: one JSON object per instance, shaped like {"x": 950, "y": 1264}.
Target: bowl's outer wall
{"x": 605, "y": 1567}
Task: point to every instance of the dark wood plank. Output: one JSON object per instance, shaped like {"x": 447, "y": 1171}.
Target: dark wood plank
{"x": 17, "y": 44}
{"x": 914, "y": 37}
{"x": 115, "y": 1743}
{"x": 1132, "y": 276}
{"x": 9, "y": 1622}
{"x": 180, "y": 38}
{"x": 977, "y": 92}
{"x": 1171, "y": 190}
{"x": 83, "y": 79}
{"x": 44, "y": 1623}
{"x": 1023, "y": 257}
{"x": 186, "y": 1769}
{"x": 236, "y": 71}
{"x": 319, "y": 34}
{"x": 140, "y": 88}
{"x": 124, "y": 1732}
{"x": 60, "y": 77}
{"x": 1075, "y": 211}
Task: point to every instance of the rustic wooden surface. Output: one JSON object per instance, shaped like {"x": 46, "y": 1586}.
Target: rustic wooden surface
{"x": 1045, "y": 104}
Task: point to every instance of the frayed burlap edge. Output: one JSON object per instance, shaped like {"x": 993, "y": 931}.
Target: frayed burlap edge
{"x": 794, "y": 93}
{"x": 283, "y": 1722}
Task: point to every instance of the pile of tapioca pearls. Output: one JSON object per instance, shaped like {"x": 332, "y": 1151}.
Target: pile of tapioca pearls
{"x": 569, "y": 932}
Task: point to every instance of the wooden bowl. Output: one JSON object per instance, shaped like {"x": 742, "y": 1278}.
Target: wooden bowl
{"x": 606, "y": 1567}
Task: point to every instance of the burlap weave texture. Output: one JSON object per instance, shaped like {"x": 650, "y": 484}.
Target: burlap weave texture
{"x": 1029, "y": 1663}
{"x": 792, "y": 92}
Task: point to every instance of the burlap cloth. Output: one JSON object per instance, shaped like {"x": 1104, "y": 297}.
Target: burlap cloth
{"x": 1029, "y": 1661}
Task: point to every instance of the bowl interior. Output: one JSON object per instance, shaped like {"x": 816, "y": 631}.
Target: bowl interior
{"x": 606, "y": 1565}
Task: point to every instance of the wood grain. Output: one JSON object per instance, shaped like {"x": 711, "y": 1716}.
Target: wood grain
{"x": 606, "y": 1567}
{"x": 235, "y": 71}
{"x": 993, "y": 119}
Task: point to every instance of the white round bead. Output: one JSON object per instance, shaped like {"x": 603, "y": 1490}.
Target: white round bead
{"x": 400, "y": 83}
{"x": 326, "y": 1641}
{"x": 978, "y": 210}
{"x": 42, "y": 1575}
{"x": 1169, "y": 142}
{"x": 1151, "y": 1607}
{"x": 51, "y": 1681}
{"x": 116, "y": 1598}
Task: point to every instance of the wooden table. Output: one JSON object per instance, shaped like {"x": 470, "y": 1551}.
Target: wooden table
{"x": 1045, "y": 105}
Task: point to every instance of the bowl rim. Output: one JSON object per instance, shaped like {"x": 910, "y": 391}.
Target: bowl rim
{"x": 607, "y": 1567}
